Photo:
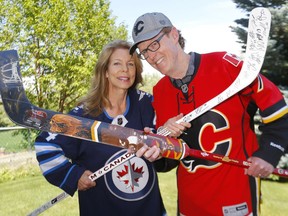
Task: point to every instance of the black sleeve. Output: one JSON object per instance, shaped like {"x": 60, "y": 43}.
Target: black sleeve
{"x": 165, "y": 164}
{"x": 274, "y": 139}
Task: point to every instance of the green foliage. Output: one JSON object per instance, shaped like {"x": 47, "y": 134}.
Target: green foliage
{"x": 8, "y": 174}
{"x": 275, "y": 66}
{"x": 248, "y": 5}
{"x": 276, "y": 61}
{"x": 58, "y": 42}
{"x": 29, "y": 136}
{"x": 284, "y": 162}
{"x": 149, "y": 81}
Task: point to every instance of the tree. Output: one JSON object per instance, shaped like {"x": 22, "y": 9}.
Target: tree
{"x": 149, "y": 81}
{"x": 275, "y": 66}
{"x": 58, "y": 42}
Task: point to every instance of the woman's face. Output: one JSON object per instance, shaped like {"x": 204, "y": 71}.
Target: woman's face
{"x": 121, "y": 70}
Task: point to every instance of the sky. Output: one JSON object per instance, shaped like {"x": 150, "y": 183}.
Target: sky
{"x": 203, "y": 23}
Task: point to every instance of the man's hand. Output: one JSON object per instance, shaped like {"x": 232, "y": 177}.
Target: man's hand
{"x": 84, "y": 182}
{"x": 154, "y": 153}
{"x": 259, "y": 167}
{"x": 176, "y": 129}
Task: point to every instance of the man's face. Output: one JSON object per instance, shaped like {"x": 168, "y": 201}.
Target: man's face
{"x": 160, "y": 51}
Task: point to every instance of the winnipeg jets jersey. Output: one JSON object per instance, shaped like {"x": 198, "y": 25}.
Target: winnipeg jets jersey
{"x": 129, "y": 189}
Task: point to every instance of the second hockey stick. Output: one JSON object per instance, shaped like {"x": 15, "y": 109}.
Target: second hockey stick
{"x": 102, "y": 171}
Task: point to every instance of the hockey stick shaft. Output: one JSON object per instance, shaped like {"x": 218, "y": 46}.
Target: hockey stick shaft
{"x": 257, "y": 40}
{"x": 231, "y": 161}
{"x": 102, "y": 171}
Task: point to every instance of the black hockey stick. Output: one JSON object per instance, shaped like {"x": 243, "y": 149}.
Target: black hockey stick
{"x": 21, "y": 111}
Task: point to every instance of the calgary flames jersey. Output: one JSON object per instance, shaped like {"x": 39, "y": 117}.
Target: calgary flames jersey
{"x": 211, "y": 188}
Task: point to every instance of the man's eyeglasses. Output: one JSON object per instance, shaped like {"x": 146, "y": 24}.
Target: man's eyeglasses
{"x": 153, "y": 47}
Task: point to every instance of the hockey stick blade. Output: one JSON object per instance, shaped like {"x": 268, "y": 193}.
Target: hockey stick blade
{"x": 257, "y": 40}
{"x": 102, "y": 171}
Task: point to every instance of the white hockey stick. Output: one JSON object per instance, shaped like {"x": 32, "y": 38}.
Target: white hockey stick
{"x": 257, "y": 40}
{"x": 102, "y": 171}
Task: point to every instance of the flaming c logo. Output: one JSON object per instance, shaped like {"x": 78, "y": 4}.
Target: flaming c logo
{"x": 138, "y": 28}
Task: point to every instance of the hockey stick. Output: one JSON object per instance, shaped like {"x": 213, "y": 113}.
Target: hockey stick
{"x": 231, "y": 161}
{"x": 22, "y": 112}
{"x": 102, "y": 171}
{"x": 257, "y": 40}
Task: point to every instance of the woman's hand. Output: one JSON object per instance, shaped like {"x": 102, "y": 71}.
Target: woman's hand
{"x": 84, "y": 183}
{"x": 150, "y": 153}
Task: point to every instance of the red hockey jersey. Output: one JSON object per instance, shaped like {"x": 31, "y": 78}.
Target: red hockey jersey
{"x": 211, "y": 188}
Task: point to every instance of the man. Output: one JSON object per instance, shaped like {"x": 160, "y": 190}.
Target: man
{"x": 191, "y": 79}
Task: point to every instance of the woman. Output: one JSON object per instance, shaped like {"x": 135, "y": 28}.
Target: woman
{"x": 131, "y": 188}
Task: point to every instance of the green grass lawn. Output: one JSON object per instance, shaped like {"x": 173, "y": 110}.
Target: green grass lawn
{"x": 274, "y": 201}
{"x": 23, "y": 195}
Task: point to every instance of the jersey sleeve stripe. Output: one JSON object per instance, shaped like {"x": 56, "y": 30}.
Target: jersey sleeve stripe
{"x": 47, "y": 146}
{"x": 275, "y": 115}
{"x": 68, "y": 173}
{"x": 53, "y": 163}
